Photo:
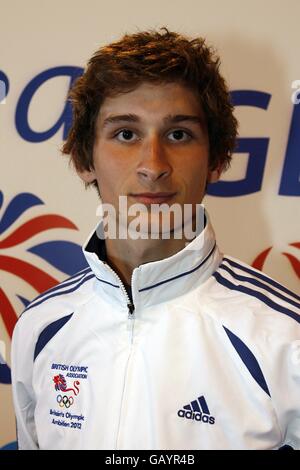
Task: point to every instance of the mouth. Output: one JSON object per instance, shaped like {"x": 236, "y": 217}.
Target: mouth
{"x": 153, "y": 198}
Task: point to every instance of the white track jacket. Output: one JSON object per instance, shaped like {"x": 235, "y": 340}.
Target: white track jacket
{"x": 207, "y": 356}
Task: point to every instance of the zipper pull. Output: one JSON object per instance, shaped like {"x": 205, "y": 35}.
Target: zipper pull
{"x": 130, "y": 311}
{"x": 130, "y": 322}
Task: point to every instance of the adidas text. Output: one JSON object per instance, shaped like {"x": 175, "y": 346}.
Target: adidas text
{"x": 197, "y": 416}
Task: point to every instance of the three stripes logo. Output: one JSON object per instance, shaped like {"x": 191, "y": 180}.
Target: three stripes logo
{"x": 197, "y": 410}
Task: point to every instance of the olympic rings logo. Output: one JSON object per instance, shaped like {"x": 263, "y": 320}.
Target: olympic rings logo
{"x": 64, "y": 401}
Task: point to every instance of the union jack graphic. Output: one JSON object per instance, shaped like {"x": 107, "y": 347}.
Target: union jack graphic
{"x": 63, "y": 255}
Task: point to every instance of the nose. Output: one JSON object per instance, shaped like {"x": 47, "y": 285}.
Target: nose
{"x": 153, "y": 164}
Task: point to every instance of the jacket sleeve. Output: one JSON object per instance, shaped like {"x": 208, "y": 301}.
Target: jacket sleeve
{"x": 23, "y": 393}
{"x": 285, "y": 390}
{"x": 293, "y": 398}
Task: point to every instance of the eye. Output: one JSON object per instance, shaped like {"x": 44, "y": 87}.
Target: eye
{"x": 179, "y": 135}
{"x": 125, "y": 135}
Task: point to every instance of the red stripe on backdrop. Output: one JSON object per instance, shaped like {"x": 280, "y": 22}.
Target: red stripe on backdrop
{"x": 8, "y": 313}
{"x": 294, "y": 262}
{"x": 296, "y": 244}
{"x": 34, "y": 276}
{"x": 260, "y": 259}
{"x": 34, "y": 226}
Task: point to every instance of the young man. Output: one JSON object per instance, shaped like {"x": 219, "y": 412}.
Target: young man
{"x": 162, "y": 342}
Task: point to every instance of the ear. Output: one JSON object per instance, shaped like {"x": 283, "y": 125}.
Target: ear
{"x": 214, "y": 174}
{"x": 88, "y": 176}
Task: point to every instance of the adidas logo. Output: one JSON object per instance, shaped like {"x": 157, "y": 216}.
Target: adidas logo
{"x": 197, "y": 410}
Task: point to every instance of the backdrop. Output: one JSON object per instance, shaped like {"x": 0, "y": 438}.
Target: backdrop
{"x": 45, "y": 213}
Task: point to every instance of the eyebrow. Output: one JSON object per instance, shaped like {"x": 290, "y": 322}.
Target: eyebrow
{"x": 169, "y": 119}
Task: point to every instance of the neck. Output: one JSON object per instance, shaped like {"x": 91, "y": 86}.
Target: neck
{"x": 126, "y": 255}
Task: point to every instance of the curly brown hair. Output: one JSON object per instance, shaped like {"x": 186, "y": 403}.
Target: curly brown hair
{"x": 156, "y": 57}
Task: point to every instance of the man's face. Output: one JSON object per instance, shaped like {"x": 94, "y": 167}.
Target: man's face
{"x": 151, "y": 145}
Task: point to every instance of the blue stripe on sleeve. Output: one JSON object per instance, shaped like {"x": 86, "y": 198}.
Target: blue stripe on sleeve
{"x": 248, "y": 359}
{"x": 263, "y": 298}
{"x": 61, "y": 285}
{"x": 262, "y": 277}
{"x": 260, "y": 284}
{"x": 56, "y": 294}
{"x": 48, "y": 333}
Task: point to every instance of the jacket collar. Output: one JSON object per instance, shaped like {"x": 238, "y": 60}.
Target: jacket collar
{"x": 157, "y": 281}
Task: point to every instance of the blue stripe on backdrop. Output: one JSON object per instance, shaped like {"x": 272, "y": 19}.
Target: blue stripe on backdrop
{"x": 10, "y": 446}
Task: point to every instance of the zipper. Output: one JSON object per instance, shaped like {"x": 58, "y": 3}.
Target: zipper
{"x": 130, "y": 305}
{"x": 130, "y": 326}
